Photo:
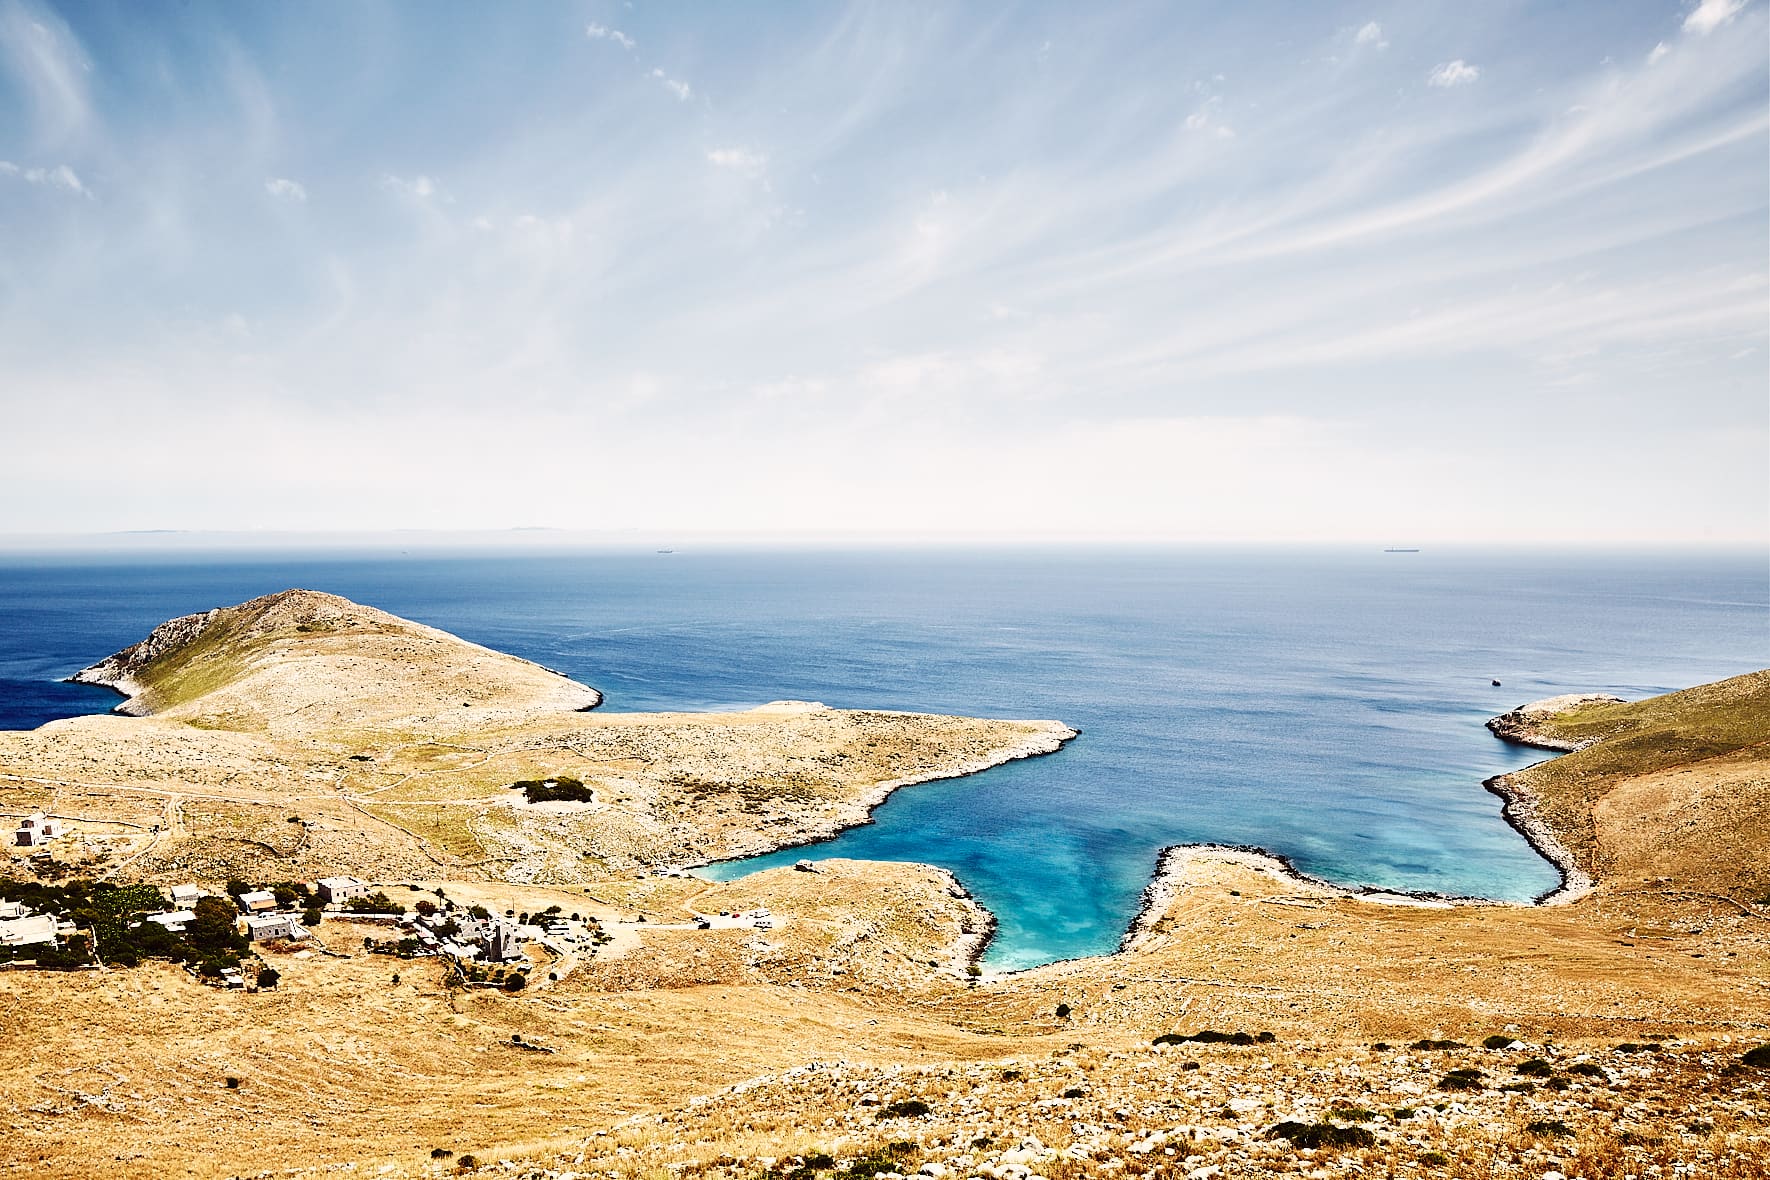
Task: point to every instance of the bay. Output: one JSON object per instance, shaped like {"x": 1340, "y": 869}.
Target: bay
{"x": 1327, "y": 705}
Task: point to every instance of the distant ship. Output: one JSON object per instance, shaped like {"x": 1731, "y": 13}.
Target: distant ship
{"x": 1401, "y": 551}
{"x": 666, "y": 551}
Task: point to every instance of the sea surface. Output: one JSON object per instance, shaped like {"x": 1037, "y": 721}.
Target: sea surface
{"x": 1325, "y": 705}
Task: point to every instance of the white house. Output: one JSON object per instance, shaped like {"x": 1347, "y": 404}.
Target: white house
{"x": 185, "y": 896}
{"x": 13, "y": 909}
{"x": 263, "y": 927}
{"x": 174, "y": 920}
{"x": 24, "y": 931}
{"x": 36, "y": 829}
{"x": 258, "y": 901}
{"x": 342, "y": 889}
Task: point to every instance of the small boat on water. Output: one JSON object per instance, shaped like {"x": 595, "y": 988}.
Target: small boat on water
{"x": 666, "y": 551}
{"x": 1401, "y": 551}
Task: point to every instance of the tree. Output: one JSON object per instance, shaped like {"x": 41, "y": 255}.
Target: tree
{"x": 425, "y": 906}
{"x": 214, "y": 931}
{"x": 311, "y": 916}
{"x": 269, "y": 977}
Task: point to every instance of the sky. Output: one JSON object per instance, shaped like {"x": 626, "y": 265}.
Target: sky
{"x": 1273, "y": 272}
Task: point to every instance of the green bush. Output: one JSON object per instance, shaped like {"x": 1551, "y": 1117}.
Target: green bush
{"x": 1548, "y": 1127}
{"x": 909, "y": 1108}
{"x": 1536, "y": 1067}
{"x": 1425, "y": 1043}
{"x": 1461, "y": 1079}
{"x": 1211, "y": 1036}
{"x": 1322, "y": 1135}
{"x": 1495, "y": 1042}
{"x": 1758, "y": 1058}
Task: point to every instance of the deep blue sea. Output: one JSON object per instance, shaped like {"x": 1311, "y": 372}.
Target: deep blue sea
{"x": 1325, "y": 705}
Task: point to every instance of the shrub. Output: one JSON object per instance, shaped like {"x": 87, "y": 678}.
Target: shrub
{"x": 311, "y": 916}
{"x": 515, "y": 982}
{"x": 1351, "y": 1114}
{"x": 1495, "y": 1042}
{"x": 1461, "y": 1079}
{"x": 374, "y": 903}
{"x": 1075, "y": 1092}
{"x": 1548, "y": 1127}
{"x": 233, "y": 1083}
{"x": 1536, "y": 1067}
{"x": 440, "y": 1153}
{"x": 1211, "y": 1036}
{"x": 909, "y": 1108}
{"x": 1758, "y": 1058}
{"x": 1426, "y": 1043}
{"x": 269, "y": 977}
{"x": 1322, "y": 1135}
{"x": 1063, "y": 1011}
{"x": 466, "y": 1163}
{"x": 1586, "y": 1069}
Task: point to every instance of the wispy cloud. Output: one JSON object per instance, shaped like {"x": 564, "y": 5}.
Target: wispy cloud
{"x": 738, "y": 160}
{"x": 598, "y": 32}
{"x": 60, "y": 177}
{"x": 1371, "y": 33}
{"x": 675, "y": 86}
{"x": 1710, "y": 15}
{"x": 1658, "y": 52}
{"x": 419, "y": 187}
{"x": 38, "y": 50}
{"x": 285, "y": 189}
{"x": 1453, "y": 73}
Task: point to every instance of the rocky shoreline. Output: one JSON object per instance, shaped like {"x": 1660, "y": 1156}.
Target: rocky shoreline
{"x": 1523, "y": 726}
{"x": 1519, "y": 808}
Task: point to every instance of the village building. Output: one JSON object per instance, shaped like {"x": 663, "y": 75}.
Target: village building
{"x": 173, "y": 920}
{"x": 13, "y": 909}
{"x": 30, "y": 929}
{"x": 338, "y": 890}
{"x": 501, "y": 943}
{"x": 258, "y": 901}
{"x": 264, "y": 927}
{"x": 36, "y": 829}
{"x": 185, "y": 896}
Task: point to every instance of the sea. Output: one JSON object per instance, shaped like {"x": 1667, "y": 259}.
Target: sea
{"x": 1324, "y": 704}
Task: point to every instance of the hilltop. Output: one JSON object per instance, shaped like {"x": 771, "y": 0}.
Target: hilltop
{"x": 1603, "y": 1037}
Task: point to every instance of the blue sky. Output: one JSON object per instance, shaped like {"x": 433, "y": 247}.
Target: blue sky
{"x": 1402, "y": 272}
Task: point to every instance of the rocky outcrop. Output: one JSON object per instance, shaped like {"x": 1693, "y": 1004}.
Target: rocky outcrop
{"x": 122, "y": 671}
{"x": 1527, "y": 724}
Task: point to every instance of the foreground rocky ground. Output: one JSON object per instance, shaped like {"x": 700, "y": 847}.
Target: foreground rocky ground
{"x": 1610, "y": 1037}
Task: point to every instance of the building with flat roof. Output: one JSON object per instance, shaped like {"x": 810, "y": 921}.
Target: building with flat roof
{"x": 341, "y": 889}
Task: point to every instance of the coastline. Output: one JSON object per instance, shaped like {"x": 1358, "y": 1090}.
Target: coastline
{"x": 1173, "y": 861}
{"x": 1519, "y": 809}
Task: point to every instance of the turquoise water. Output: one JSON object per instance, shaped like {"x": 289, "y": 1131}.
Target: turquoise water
{"x": 1325, "y": 705}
